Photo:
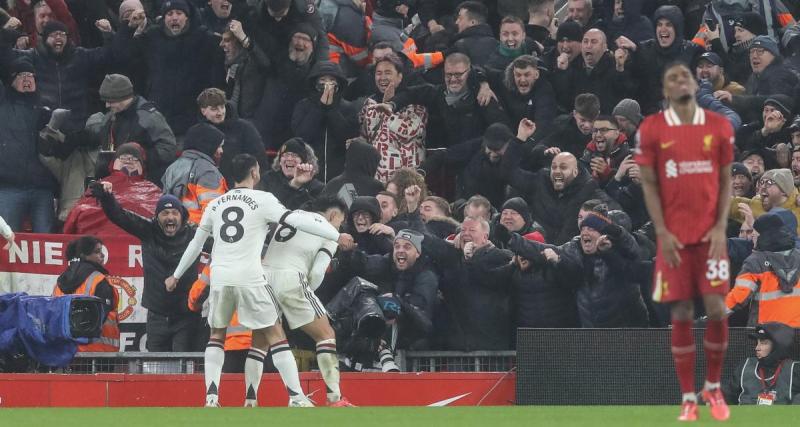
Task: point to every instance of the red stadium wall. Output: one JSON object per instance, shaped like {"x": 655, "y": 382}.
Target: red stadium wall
{"x": 123, "y": 390}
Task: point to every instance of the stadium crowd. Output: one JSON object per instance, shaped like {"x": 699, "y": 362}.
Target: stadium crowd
{"x": 484, "y": 149}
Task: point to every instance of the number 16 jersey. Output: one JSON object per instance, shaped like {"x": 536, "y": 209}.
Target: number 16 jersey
{"x": 238, "y": 221}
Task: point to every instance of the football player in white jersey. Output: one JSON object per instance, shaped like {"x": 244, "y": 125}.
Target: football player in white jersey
{"x": 295, "y": 264}
{"x": 239, "y": 220}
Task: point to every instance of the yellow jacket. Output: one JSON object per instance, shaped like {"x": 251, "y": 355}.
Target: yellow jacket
{"x": 755, "y": 205}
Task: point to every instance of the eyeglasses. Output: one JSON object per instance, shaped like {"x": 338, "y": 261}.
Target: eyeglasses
{"x": 127, "y": 158}
{"x": 766, "y": 182}
{"x": 455, "y": 76}
{"x": 58, "y": 34}
{"x": 603, "y": 130}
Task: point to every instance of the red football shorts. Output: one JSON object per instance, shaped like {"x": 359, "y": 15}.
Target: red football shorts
{"x": 696, "y": 275}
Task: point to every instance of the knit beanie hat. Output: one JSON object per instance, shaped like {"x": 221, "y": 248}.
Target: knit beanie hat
{"x": 783, "y": 179}
{"x": 412, "y": 236}
{"x": 132, "y": 149}
{"x": 569, "y": 30}
{"x": 596, "y": 222}
{"x": 496, "y": 136}
{"x": 782, "y": 103}
{"x": 306, "y": 29}
{"x": 204, "y": 138}
{"x": 115, "y": 88}
{"x": 168, "y": 201}
{"x": 751, "y": 21}
{"x": 519, "y": 205}
{"x": 739, "y": 168}
{"x": 629, "y": 109}
{"x": 296, "y": 146}
{"x": 22, "y": 64}
{"x": 767, "y": 43}
{"x": 52, "y": 27}
{"x": 181, "y": 5}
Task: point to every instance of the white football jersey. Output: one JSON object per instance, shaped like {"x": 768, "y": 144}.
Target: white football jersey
{"x": 295, "y": 250}
{"x": 239, "y": 221}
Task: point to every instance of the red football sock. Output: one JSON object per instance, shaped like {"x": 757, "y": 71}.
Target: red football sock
{"x": 714, "y": 344}
{"x": 683, "y": 353}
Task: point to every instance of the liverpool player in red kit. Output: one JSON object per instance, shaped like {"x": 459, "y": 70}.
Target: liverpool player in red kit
{"x": 685, "y": 154}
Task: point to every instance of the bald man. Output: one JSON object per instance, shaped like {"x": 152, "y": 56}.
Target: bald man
{"x": 554, "y": 194}
{"x": 596, "y": 73}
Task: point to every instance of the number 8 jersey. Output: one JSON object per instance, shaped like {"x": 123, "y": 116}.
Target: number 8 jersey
{"x": 238, "y": 221}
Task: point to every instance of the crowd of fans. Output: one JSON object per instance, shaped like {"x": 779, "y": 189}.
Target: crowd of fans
{"x": 484, "y": 148}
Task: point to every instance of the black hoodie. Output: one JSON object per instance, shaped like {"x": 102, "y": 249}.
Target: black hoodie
{"x": 77, "y": 272}
{"x": 477, "y": 42}
{"x": 358, "y": 179}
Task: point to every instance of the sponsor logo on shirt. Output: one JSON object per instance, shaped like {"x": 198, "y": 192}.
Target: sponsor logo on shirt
{"x": 692, "y": 167}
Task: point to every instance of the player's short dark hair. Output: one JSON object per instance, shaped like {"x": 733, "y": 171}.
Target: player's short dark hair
{"x": 475, "y": 10}
{"x": 323, "y": 203}
{"x": 607, "y": 118}
{"x": 595, "y": 205}
{"x": 278, "y": 5}
{"x": 510, "y": 19}
{"x": 81, "y": 247}
{"x": 241, "y": 165}
{"x": 587, "y": 105}
{"x": 674, "y": 64}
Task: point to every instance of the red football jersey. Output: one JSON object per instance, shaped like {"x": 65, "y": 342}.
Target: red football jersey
{"x": 687, "y": 159}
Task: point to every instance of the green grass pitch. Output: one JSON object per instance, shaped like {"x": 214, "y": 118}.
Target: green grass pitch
{"x": 616, "y": 416}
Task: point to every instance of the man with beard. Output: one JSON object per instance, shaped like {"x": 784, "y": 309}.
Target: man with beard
{"x": 607, "y": 150}
{"x": 26, "y": 187}
{"x": 650, "y": 57}
{"x": 171, "y": 326}
{"x": 181, "y": 57}
{"x": 63, "y": 70}
{"x": 525, "y": 93}
{"x": 272, "y": 24}
{"x": 775, "y": 189}
{"x": 513, "y": 44}
{"x": 404, "y": 276}
{"x": 194, "y": 177}
{"x": 754, "y": 162}
{"x": 771, "y": 377}
{"x": 240, "y": 135}
{"x": 709, "y": 67}
{"x": 34, "y": 15}
{"x": 554, "y": 194}
{"x": 285, "y": 86}
{"x": 598, "y": 72}
{"x": 628, "y": 115}
{"x": 245, "y": 70}
{"x": 741, "y": 181}
{"x": 291, "y": 179}
{"x": 568, "y": 46}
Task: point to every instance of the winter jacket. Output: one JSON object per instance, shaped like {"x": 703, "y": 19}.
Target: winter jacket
{"x": 21, "y": 118}
{"x": 500, "y": 59}
{"x": 160, "y": 256}
{"x": 245, "y": 76}
{"x": 539, "y": 105}
{"x": 633, "y": 24}
{"x": 195, "y": 180}
{"x": 630, "y": 197}
{"x": 450, "y": 125}
{"x": 358, "y": 178}
{"x": 142, "y": 123}
{"x": 566, "y": 136}
{"x": 61, "y": 13}
{"x": 240, "y": 137}
{"x": 273, "y": 35}
{"x": 477, "y": 42}
{"x": 775, "y": 79}
{"x": 347, "y": 30}
{"x": 650, "y": 58}
{"x": 478, "y": 306}
{"x": 134, "y": 193}
{"x": 326, "y": 127}
{"x": 758, "y": 208}
{"x": 285, "y": 86}
{"x": 706, "y": 100}
{"x": 178, "y": 68}
{"x": 606, "y": 290}
{"x": 613, "y": 156}
{"x": 750, "y": 139}
{"x": 71, "y": 174}
{"x": 540, "y": 298}
{"x": 556, "y": 211}
{"x": 277, "y": 183}
{"x": 603, "y": 80}
{"x": 398, "y": 137}
{"x": 415, "y": 288}
{"x": 63, "y": 81}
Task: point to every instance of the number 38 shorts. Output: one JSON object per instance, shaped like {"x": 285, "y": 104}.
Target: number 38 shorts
{"x": 255, "y": 306}
{"x": 296, "y": 300}
{"x": 696, "y": 275}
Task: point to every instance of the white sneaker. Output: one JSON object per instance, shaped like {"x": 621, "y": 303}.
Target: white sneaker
{"x": 212, "y": 401}
{"x": 250, "y": 403}
{"x": 300, "y": 403}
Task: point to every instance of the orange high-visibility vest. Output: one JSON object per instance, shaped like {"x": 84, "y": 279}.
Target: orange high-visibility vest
{"x": 197, "y": 197}
{"x": 109, "y": 334}
{"x": 237, "y": 337}
{"x": 359, "y": 55}
{"x": 769, "y": 301}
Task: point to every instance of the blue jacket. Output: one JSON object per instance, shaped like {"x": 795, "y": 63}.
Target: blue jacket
{"x": 21, "y": 118}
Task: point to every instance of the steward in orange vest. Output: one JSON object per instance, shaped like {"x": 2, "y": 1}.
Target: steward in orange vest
{"x": 85, "y": 275}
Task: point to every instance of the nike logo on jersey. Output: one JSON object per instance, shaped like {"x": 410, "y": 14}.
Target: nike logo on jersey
{"x": 716, "y": 283}
{"x": 665, "y": 145}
